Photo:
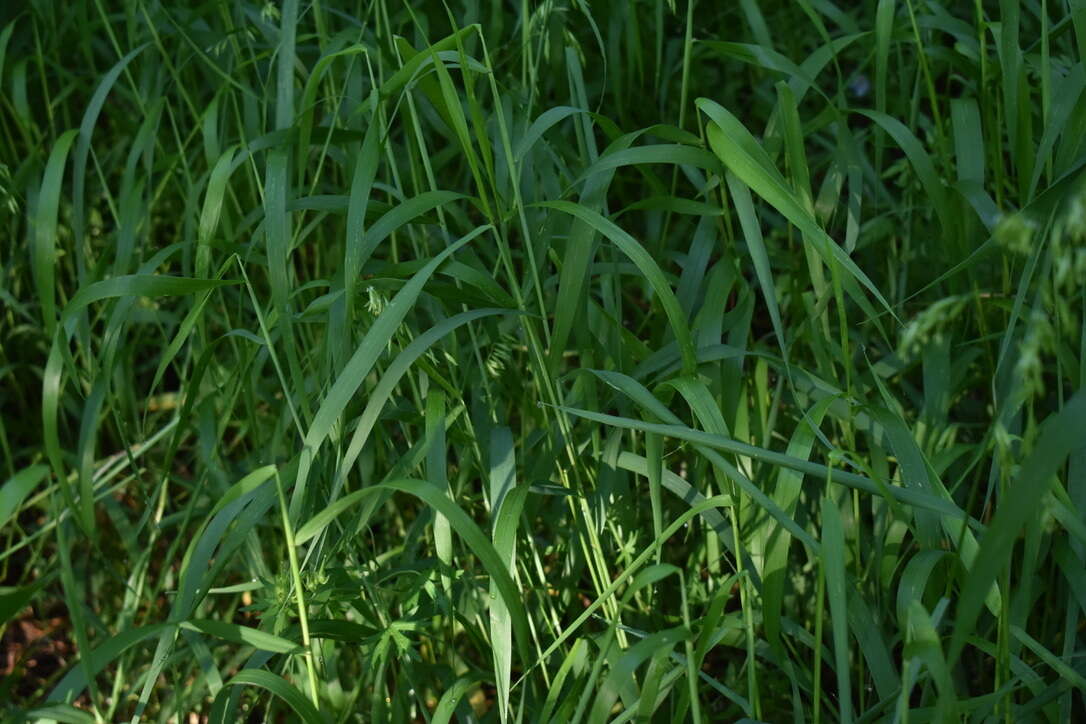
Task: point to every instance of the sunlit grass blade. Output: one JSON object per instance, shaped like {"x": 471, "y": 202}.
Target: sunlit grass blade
{"x": 507, "y": 501}
{"x": 363, "y": 359}
{"x": 736, "y": 148}
{"x": 243, "y": 635}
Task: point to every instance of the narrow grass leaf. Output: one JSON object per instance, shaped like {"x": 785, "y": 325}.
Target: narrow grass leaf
{"x": 658, "y": 153}
{"x": 1067, "y": 673}
{"x": 141, "y": 285}
{"x": 1059, "y": 435}
{"x": 365, "y": 356}
{"x": 776, "y": 542}
{"x": 381, "y": 393}
{"x": 86, "y": 132}
{"x": 324, "y": 518}
{"x": 920, "y": 161}
{"x": 833, "y": 560}
{"x": 244, "y": 635}
{"x": 446, "y": 706}
{"x": 504, "y": 534}
{"x": 628, "y": 663}
{"x": 97, "y": 659}
{"x": 15, "y": 600}
{"x": 684, "y": 490}
{"x": 752, "y": 232}
{"x": 59, "y": 712}
{"x": 647, "y": 266}
{"x": 923, "y": 643}
{"x": 968, "y": 139}
{"x": 576, "y": 660}
{"x": 17, "y": 487}
{"x": 732, "y": 142}
{"x": 44, "y": 249}
{"x": 437, "y": 473}
{"x": 476, "y": 540}
{"x": 546, "y": 120}
{"x": 718, "y": 442}
{"x": 279, "y": 687}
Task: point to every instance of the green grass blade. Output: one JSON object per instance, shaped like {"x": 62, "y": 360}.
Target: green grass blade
{"x": 16, "y": 488}
{"x": 648, "y": 267}
{"x": 279, "y": 687}
{"x": 650, "y": 646}
{"x": 75, "y": 681}
{"x": 718, "y": 442}
{"x": 732, "y": 142}
{"x": 369, "y": 349}
{"x": 244, "y": 635}
{"x": 920, "y": 160}
{"x": 480, "y": 546}
{"x": 833, "y": 560}
{"x": 776, "y": 542}
{"x": 446, "y": 706}
{"x": 507, "y": 502}
{"x": 752, "y": 232}
{"x": 1058, "y": 437}
{"x": 44, "y": 249}
{"x": 393, "y": 374}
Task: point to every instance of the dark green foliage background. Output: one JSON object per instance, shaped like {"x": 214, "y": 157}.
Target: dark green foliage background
{"x": 611, "y": 361}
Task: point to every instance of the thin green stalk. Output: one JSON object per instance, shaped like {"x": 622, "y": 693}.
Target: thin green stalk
{"x": 299, "y": 592}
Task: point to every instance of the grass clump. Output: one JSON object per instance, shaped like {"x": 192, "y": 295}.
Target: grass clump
{"x": 555, "y": 362}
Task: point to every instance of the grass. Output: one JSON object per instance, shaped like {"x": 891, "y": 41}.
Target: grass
{"x": 557, "y": 362}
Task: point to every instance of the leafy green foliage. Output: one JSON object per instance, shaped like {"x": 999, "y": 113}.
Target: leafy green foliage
{"x": 543, "y": 362}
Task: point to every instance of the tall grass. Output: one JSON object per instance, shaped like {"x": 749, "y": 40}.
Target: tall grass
{"x": 543, "y": 362}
